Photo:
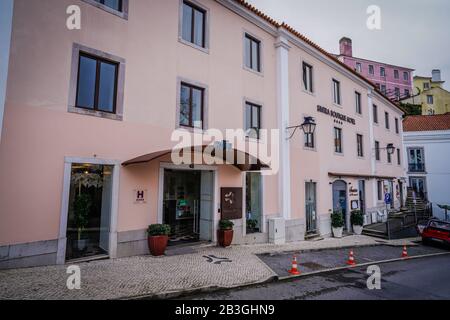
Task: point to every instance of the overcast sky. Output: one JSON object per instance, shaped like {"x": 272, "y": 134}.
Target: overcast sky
{"x": 414, "y": 33}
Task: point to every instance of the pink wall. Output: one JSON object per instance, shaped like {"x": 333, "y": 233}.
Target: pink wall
{"x": 39, "y": 132}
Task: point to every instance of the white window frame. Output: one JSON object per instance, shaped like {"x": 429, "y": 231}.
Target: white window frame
{"x": 207, "y": 26}
{"x": 64, "y": 213}
{"x": 338, "y": 93}
{"x": 309, "y": 77}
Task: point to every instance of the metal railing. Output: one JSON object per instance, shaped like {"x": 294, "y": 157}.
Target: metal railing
{"x": 416, "y": 167}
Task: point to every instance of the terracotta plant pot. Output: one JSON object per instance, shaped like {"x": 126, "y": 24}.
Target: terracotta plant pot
{"x": 225, "y": 237}
{"x": 157, "y": 245}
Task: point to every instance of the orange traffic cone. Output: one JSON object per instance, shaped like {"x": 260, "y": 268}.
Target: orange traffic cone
{"x": 294, "y": 271}
{"x": 351, "y": 259}
{"x": 405, "y": 252}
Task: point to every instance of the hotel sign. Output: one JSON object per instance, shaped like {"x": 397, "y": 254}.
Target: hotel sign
{"x": 140, "y": 196}
{"x": 336, "y": 115}
{"x": 231, "y": 203}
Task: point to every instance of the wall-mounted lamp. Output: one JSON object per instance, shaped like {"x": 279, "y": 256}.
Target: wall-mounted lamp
{"x": 308, "y": 127}
{"x": 390, "y": 148}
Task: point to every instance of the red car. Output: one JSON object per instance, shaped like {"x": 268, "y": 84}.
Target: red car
{"x": 436, "y": 230}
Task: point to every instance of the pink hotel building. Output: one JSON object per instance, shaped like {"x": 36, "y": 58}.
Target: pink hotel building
{"x": 89, "y": 114}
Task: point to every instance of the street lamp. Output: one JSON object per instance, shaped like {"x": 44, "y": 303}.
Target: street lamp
{"x": 308, "y": 127}
{"x": 390, "y": 148}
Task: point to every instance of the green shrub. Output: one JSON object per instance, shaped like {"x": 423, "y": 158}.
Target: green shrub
{"x": 251, "y": 223}
{"x": 155, "y": 230}
{"x": 337, "y": 220}
{"x": 226, "y": 225}
{"x": 357, "y": 218}
{"x": 81, "y": 208}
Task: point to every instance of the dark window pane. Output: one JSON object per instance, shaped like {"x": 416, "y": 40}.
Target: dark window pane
{"x": 185, "y": 106}
{"x": 86, "y": 83}
{"x": 255, "y": 55}
{"x": 248, "y": 117}
{"x": 199, "y": 28}
{"x": 187, "y": 23}
{"x": 248, "y": 61}
{"x": 107, "y": 87}
{"x": 114, "y": 4}
{"x": 197, "y": 97}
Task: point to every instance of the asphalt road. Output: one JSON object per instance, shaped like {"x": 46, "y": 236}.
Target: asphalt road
{"x": 424, "y": 278}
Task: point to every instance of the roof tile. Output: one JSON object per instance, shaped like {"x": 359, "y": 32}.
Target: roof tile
{"x": 427, "y": 123}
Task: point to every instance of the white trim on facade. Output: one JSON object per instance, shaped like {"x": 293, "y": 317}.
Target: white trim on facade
{"x": 282, "y": 53}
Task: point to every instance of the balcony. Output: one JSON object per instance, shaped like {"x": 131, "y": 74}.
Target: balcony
{"x": 416, "y": 167}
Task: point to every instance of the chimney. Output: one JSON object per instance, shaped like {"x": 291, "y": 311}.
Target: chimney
{"x": 345, "y": 46}
{"x": 436, "y": 75}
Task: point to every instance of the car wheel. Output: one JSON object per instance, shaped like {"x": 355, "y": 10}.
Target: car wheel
{"x": 425, "y": 241}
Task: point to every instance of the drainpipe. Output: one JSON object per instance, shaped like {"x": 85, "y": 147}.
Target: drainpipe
{"x": 6, "y": 14}
{"x": 284, "y": 184}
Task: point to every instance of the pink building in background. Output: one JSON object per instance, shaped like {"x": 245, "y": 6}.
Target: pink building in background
{"x": 394, "y": 81}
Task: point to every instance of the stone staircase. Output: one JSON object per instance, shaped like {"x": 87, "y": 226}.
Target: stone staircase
{"x": 422, "y": 208}
{"x": 402, "y": 224}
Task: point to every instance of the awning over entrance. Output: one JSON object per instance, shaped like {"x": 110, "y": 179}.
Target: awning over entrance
{"x": 241, "y": 160}
{"x": 362, "y": 176}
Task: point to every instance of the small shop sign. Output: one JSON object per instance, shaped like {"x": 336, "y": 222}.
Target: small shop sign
{"x": 353, "y": 192}
{"x": 231, "y": 203}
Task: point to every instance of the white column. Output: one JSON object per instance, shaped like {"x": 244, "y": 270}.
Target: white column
{"x": 6, "y": 13}
{"x": 284, "y": 188}
{"x": 373, "y": 164}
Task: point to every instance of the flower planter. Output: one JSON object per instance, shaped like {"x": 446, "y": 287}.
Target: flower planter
{"x": 357, "y": 230}
{"x": 337, "y": 232}
{"x": 157, "y": 245}
{"x": 81, "y": 245}
{"x": 225, "y": 237}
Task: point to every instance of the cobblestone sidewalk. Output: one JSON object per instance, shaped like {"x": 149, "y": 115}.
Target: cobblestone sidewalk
{"x": 208, "y": 268}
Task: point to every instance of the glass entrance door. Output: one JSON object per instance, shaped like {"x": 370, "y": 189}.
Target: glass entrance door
{"x": 310, "y": 200}
{"x": 181, "y": 205}
{"x": 89, "y": 216}
{"x": 340, "y": 200}
{"x": 418, "y": 185}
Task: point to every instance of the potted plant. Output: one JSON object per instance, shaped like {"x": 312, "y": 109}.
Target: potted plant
{"x": 252, "y": 224}
{"x": 81, "y": 208}
{"x": 158, "y": 237}
{"x": 225, "y": 233}
{"x": 337, "y": 223}
{"x": 357, "y": 219}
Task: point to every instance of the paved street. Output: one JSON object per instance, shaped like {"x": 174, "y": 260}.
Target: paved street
{"x": 202, "y": 268}
{"x": 425, "y": 278}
